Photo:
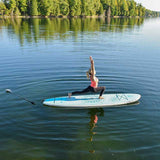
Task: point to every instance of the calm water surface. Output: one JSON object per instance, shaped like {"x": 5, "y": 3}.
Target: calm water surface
{"x": 43, "y": 58}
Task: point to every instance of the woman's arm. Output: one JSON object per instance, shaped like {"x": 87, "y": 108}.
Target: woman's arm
{"x": 92, "y": 68}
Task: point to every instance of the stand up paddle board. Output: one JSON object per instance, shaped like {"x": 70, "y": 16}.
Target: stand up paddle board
{"x": 92, "y": 101}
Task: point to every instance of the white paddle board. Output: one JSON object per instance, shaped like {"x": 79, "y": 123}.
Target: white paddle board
{"x": 92, "y": 101}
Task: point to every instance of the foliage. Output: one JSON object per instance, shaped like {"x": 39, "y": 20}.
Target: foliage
{"x": 45, "y": 7}
{"x": 2, "y": 8}
{"x": 34, "y": 8}
{"x": 74, "y": 8}
{"x": 55, "y": 10}
{"x": 150, "y": 13}
{"x": 23, "y": 6}
{"x": 12, "y": 6}
{"x": 64, "y": 7}
{"x": 17, "y": 12}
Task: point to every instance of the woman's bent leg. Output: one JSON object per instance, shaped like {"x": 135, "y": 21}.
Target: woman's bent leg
{"x": 100, "y": 89}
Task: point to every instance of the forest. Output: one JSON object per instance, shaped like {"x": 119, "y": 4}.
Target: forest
{"x": 73, "y": 8}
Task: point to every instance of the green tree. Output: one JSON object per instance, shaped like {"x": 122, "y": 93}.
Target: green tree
{"x": 132, "y": 8}
{"x": 136, "y": 11}
{"x": 2, "y": 8}
{"x": 140, "y": 10}
{"x": 34, "y": 8}
{"x": 106, "y": 4}
{"x": 55, "y": 9}
{"x": 17, "y": 12}
{"x": 90, "y": 7}
{"x": 144, "y": 11}
{"x": 119, "y": 7}
{"x": 64, "y": 7}
{"x": 114, "y": 7}
{"x": 23, "y": 6}
{"x": 96, "y": 6}
{"x": 124, "y": 8}
{"x": 86, "y": 7}
{"x": 12, "y": 6}
{"x": 45, "y": 7}
{"x": 75, "y": 7}
{"x": 101, "y": 11}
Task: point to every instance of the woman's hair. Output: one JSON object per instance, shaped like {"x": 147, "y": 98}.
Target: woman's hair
{"x": 89, "y": 72}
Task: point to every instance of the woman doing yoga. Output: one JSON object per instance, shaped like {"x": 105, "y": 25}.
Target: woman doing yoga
{"x": 94, "y": 82}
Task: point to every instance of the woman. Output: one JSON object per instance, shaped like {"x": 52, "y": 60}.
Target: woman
{"x": 94, "y": 82}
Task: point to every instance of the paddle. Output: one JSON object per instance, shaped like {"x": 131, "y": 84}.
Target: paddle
{"x": 9, "y": 91}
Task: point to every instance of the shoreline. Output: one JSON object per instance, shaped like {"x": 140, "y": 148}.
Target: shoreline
{"x": 28, "y": 17}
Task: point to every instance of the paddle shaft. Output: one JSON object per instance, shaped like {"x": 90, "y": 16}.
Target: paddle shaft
{"x": 9, "y": 91}
{"x": 24, "y": 99}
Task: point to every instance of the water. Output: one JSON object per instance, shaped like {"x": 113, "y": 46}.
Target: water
{"x": 43, "y": 58}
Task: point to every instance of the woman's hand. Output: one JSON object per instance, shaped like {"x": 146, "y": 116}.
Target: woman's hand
{"x": 91, "y": 59}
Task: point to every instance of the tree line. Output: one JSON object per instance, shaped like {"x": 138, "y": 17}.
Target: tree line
{"x": 73, "y": 8}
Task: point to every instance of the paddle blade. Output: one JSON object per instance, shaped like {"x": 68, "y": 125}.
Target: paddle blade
{"x": 8, "y": 91}
{"x": 33, "y": 103}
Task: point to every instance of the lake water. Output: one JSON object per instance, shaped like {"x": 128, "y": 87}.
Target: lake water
{"x": 43, "y": 58}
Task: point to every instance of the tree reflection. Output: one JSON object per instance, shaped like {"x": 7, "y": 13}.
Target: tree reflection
{"x": 34, "y": 30}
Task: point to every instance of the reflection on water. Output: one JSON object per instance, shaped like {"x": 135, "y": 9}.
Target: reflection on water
{"x": 33, "y": 30}
{"x": 52, "y": 61}
{"x": 94, "y": 113}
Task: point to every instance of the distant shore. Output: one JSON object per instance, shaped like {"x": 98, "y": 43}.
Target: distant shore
{"x": 96, "y": 16}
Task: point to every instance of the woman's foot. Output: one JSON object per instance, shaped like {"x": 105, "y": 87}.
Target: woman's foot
{"x": 100, "y": 97}
{"x": 69, "y": 95}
